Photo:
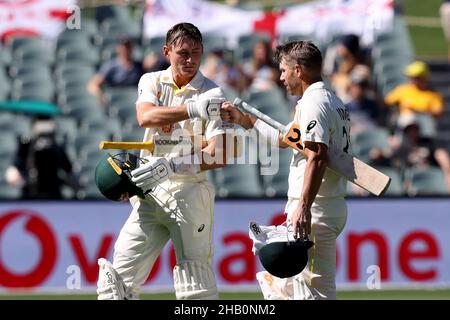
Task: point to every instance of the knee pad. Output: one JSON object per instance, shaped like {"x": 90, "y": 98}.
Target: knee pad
{"x": 194, "y": 280}
{"x": 109, "y": 285}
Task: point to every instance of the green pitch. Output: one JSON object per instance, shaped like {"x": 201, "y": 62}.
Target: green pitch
{"x": 435, "y": 294}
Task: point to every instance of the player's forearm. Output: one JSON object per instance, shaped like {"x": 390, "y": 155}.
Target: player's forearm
{"x": 247, "y": 121}
{"x": 151, "y": 117}
{"x": 314, "y": 172}
{"x": 214, "y": 155}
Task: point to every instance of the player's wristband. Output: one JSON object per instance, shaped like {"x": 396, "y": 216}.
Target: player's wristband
{"x": 271, "y": 134}
{"x": 189, "y": 164}
{"x": 191, "y": 109}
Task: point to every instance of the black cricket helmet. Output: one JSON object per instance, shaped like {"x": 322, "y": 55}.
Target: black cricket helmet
{"x": 113, "y": 176}
{"x": 285, "y": 259}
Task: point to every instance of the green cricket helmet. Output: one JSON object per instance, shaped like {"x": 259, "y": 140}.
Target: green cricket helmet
{"x": 113, "y": 176}
{"x": 285, "y": 259}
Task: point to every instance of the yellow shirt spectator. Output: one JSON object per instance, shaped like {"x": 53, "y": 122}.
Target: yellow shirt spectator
{"x": 415, "y": 96}
{"x": 411, "y": 99}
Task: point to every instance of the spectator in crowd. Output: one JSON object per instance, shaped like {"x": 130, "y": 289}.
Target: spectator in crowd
{"x": 38, "y": 164}
{"x": 415, "y": 96}
{"x": 261, "y": 73}
{"x": 122, "y": 71}
{"x": 155, "y": 62}
{"x": 445, "y": 20}
{"x": 411, "y": 149}
{"x": 340, "y": 60}
{"x": 215, "y": 67}
{"x": 223, "y": 72}
{"x": 364, "y": 108}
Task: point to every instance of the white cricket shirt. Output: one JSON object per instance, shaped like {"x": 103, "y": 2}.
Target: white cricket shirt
{"x": 323, "y": 118}
{"x": 160, "y": 89}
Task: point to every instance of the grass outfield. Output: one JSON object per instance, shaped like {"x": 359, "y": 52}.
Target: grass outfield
{"x": 411, "y": 294}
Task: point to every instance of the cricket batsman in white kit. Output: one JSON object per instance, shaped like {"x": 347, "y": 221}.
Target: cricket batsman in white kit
{"x": 316, "y": 207}
{"x": 179, "y": 201}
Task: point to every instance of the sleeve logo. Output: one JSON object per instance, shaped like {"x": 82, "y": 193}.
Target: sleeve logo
{"x": 311, "y": 125}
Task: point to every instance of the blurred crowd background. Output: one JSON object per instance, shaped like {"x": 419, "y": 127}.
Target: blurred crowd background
{"x": 57, "y": 101}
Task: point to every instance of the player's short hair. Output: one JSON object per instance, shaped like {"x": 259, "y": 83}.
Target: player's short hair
{"x": 182, "y": 31}
{"x": 304, "y": 53}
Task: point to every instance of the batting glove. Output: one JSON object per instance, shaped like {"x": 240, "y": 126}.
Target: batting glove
{"x": 204, "y": 108}
{"x": 154, "y": 172}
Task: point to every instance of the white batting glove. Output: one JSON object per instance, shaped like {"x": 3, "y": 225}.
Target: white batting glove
{"x": 204, "y": 108}
{"x": 154, "y": 172}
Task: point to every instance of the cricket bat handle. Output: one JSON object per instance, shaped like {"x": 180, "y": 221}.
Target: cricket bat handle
{"x": 244, "y": 106}
{"x": 124, "y": 145}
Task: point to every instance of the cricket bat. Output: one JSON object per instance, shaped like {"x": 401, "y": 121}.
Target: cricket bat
{"x": 157, "y": 144}
{"x": 344, "y": 164}
{"x": 164, "y": 144}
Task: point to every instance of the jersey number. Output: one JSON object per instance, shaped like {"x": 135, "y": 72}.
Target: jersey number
{"x": 296, "y": 139}
{"x": 347, "y": 139}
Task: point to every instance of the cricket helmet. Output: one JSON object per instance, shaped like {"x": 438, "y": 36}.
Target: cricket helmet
{"x": 113, "y": 176}
{"x": 285, "y": 259}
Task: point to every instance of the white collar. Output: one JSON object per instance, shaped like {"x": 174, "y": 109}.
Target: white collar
{"x": 195, "y": 84}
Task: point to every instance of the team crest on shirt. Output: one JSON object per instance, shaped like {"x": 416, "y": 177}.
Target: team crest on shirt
{"x": 167, "y": 128}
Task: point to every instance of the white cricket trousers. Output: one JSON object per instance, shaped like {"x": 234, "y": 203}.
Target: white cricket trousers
{"x": 317, "y": 280}
{"x": 183, "y": 212}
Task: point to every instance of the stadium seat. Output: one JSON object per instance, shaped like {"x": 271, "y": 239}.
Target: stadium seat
{"x": 112, "y": 126}
{"x": 428, "y": 181}
{"x": 246, "y": 43}
{"x": 9, "y": 143}
{"x": 275, "y": 182}
{"x": 83, "y": 111}
{"x": 18, "y": 42}
{"x": 66, "y": 129}
{"x": 363, "y": 142}
{"x": 124, "y": 112}
{"x": 35, "y": 89}
{"x": 5, "y": 55}
{"x": 73, "y": 38}
{"x": 105, "y": 12}
{"x": 238, "y": 181}
{"x": 9, "y": 193}
{"x": 83, "y": 143}
{"x": 86, "y": 57}
{"x": 213, "y": 41}
{"x": 37, "y": 56}
{"x": 22, "y": 126}
{"x": 427, "y": 125}
{"x": 271, "y": 102}
{"x": 30, "y": 71}
{"x": 109, "y": 52}
{"x": 127, "y": 95}
{"x": 120, "y": 27}
{"x": 396, "y": 187}
{"x": 154, "y": 44}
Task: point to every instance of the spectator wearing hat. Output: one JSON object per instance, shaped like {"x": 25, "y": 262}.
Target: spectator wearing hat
{"x": 344, "y": 57}
{"x": 415, "y": 97}
{"x": 363, "y": 105}
{"x": 121, "y": 71}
